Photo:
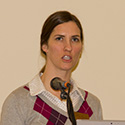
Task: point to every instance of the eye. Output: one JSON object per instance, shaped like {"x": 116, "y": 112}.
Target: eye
{"x": 75, "y": 39}
{"x": 59, "y": 38}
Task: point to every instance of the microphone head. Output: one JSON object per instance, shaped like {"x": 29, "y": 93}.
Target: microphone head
{"x": 58, "y": 84}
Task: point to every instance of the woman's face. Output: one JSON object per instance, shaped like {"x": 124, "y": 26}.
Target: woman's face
{"x": 64, "y": 46}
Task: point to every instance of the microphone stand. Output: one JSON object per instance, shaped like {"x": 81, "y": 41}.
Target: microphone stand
{"x": 70, "y": 109}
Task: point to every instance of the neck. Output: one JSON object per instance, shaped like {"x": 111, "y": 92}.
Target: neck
{"x": 49, "y": 74}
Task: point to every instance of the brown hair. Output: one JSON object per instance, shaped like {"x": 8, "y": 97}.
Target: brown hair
{"x": 52, "y": 21}
{"x": 55, "y": 19}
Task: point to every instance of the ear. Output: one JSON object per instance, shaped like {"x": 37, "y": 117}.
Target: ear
{"x": 81, "y": 52}
{"x": 45, "y": 48}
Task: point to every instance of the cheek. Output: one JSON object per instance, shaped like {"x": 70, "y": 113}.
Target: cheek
{"x": 54, "y": 49}
{"x": 78, "y": 51}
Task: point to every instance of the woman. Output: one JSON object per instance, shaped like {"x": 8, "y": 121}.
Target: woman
{"x": 37, "y": 102}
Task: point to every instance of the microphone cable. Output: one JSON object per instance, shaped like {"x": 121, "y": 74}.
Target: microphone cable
{"x": 70, "y": 108}
{"x": 58, "y": 84}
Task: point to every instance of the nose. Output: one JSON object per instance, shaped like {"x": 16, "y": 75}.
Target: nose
{"x": 68, "y": 46}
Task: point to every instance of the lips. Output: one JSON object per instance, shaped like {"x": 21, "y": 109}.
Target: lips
{"x": 66, "y": 57}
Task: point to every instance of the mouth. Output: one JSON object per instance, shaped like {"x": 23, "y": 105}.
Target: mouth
{"x": 67, "y": 58}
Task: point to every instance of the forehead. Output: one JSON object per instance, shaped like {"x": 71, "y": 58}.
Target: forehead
{"x": 68, "y": 27}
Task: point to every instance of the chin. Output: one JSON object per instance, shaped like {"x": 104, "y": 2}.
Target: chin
{"x": 67, "y": 68}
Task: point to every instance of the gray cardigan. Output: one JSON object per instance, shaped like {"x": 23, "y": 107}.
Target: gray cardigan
{"x": 20, "y": 108}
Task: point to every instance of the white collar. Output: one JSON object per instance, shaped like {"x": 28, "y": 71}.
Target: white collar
{"x": 36, "y": 86}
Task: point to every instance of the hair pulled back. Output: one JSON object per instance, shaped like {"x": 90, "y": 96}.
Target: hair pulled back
{"x": 55, "y": 19}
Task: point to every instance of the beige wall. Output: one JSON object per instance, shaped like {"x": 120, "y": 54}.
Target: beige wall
{"x": 102, "y": 66}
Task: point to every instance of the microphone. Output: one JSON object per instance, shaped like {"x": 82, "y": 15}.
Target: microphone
{"x": 58, "y": 84}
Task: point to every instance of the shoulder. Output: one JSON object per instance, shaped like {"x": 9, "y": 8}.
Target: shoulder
{"x": 89, "y": 96}
{"x": 95, "y": 104}
{"x": 18, "y": 93}
{"x": 12, "y": 107}
{"x": 17, "y": 98}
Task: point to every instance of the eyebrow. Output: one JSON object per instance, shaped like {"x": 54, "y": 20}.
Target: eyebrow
{"x": 59, "y": 35}
{"x": 76, "y": 36}
{"x": 64, "y": 35}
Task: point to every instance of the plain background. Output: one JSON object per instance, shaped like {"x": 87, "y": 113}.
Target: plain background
{"x": 101, "y": 70}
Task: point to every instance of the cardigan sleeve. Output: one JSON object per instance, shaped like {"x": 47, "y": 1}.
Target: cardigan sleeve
{"x": 11, "y": 112}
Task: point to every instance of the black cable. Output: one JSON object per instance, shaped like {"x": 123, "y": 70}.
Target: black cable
{"x": 70, "y": 108}
{"x": 65, "y": 95}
